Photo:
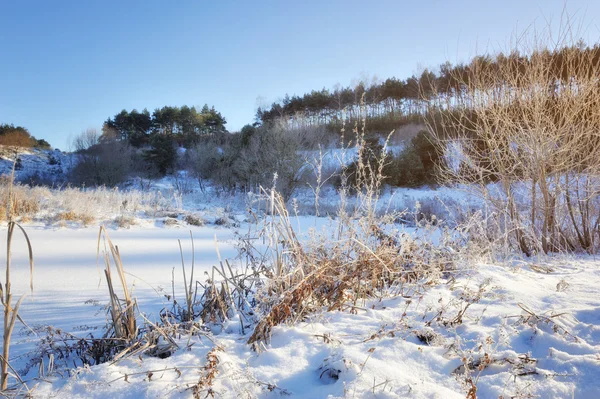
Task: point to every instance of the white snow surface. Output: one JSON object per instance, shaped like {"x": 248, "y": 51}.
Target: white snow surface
{"x": 374, "y": 351}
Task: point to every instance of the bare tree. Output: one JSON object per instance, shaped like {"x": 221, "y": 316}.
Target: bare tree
{"x": 100, "y": 163}
{"x": 525, "y": 129}
{"x": 86, "y": 139}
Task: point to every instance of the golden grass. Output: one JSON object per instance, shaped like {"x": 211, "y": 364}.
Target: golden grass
{"x": 11, "y": 312}
{"x": 70, "y": 216}
{"x": 340, "y": 269}
{"x": 16, "y": 199}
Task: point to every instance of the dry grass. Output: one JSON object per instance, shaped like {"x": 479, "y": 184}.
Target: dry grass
{"x": 124, "y": 222}
{"x": 21, "y": 204}
{"x": 70, "y": 216}
{"x": 85, "y": 206}
{"x": 204, "y": 387}
{"x": 361, "y": 256}
{"x": 122, "y": 311}
{"x": 190, "y": 286}
{"x": 11, "y": 312}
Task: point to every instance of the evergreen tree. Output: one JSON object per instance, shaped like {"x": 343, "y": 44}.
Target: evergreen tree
{"x": 162, "y": 153}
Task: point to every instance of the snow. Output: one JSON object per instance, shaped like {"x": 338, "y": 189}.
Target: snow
{"x": 333, "y": 158}
{"x": 377, "y": 356}
{"x": 48, "y": 163}
{"x": 66, "y": 273}
{"x": 538, "y": 320}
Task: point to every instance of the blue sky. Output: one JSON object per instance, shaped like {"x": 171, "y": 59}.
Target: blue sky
{"x": 68, "y": 65}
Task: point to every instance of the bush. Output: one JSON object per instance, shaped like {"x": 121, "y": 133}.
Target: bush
{"x": 43, "y": 144}
{"x": 250, "y": 160}
{"x": 53, "y": 161}
{"x": 416, "y": 164}
{"x": 16, "y": 138}
{"x": 194, "y": 220}
{"x": 407, "y": 170}
{"x": 102, "y": 165}
{"x": 41, "y": 179}
{"x": 539, "y": 147}
{"x": 124, "y": 222}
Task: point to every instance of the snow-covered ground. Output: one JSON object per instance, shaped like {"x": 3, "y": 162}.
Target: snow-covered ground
{"x": 48, "y": 163}
{"x": 384, "y": 349}
{"x": 66, "y": 274}
{"x": 528, "y": 328}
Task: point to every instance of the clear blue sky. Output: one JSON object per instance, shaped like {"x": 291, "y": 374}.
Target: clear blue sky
{"x": 68, "y": 65}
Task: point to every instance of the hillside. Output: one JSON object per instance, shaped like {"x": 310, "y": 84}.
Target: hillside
{"x": 52, "y": 164}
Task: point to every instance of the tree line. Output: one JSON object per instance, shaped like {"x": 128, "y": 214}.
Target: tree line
{"x": 407, "y": 99}
{"x": 185, "y": 125}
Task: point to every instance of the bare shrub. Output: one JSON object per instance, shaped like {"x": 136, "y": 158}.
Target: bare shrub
{"x": 309, "y": 136}
{"x": 524, "y": 126}
{"x": 202, "y": 162}
{"x": 17, "y": 138}
{"x": 194, "y": 220}
{"x": 182, "y": 184}
{"x": 270, "y": 151}
{"x": 124, "y": 222}
{"x": 86, "y": 139}
{"x": 100, "y": 163}
{"x": 250, "y": 160}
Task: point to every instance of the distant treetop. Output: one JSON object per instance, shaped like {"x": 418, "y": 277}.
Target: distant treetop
{"x": 186, "y": 125}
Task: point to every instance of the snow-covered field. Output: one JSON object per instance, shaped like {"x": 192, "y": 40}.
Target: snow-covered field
{"x": 519, "y": 329}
